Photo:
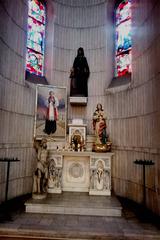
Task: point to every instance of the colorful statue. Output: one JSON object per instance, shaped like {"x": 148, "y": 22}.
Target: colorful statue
{"x": 99, "y": 126}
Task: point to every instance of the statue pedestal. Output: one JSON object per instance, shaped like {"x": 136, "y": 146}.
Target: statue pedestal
{"x": 81, "y": 101}
{"x": 54, "y": 190}
{"x": 102, "y": 147}
{"x": 39, "y": 196}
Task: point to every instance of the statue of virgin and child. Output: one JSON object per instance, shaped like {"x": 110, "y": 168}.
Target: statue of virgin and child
{"x": 102, "y": 143}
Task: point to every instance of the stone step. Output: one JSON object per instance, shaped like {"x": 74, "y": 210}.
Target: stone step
{"x": 75, "y": 203}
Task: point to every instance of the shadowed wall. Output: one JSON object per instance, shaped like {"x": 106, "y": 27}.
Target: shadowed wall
{"x": 17, "y": 101}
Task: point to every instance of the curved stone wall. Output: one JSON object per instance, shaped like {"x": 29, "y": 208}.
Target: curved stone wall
{"x": 17, "y": 101}
{"x": 134, "y": 114}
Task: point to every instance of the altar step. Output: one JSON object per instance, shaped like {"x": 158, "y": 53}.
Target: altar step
{"x": 75, "y": 203}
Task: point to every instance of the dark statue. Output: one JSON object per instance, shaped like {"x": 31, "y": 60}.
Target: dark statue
{"x": 79, "y": 75}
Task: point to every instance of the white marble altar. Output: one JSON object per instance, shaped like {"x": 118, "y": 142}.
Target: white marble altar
{"x": 72, "y": 166}
{"x": 82, "y": 172}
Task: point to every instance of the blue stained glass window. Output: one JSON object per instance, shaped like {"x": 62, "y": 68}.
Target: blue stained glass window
{"x": 35, "y": 37}
{"x": 123, "y": 41}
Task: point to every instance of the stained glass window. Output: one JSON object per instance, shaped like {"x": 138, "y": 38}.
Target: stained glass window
{"x": 123, "y": 41}
{"x": 35, "y": 37}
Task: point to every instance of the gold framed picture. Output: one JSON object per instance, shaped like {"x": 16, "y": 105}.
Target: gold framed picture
{"x": 50, "y": 112}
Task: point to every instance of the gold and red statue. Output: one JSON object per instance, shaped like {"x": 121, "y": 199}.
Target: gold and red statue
{"x": 102, "y": 143}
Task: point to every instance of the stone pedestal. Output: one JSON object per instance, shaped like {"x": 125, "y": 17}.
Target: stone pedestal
{"x": 39, "y": 196}
{"x": 81, "y": 101}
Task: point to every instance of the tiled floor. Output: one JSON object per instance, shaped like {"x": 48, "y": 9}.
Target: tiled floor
{"x": 133, "y": 225}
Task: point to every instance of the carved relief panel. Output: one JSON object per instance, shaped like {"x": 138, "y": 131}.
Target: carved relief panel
{"x": 100, "y": 176}
{"x": 76, "y": 174}
{"x": 55, "y": 174}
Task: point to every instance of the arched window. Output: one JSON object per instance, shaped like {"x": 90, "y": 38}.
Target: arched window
{"x": 123, "y": 42}
{"x": 35, "y": 37}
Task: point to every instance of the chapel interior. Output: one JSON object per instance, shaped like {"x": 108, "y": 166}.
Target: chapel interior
{"x": 125, "y": 82}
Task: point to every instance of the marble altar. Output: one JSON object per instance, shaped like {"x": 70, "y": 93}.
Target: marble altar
{"x": 80, "y": 172}
{"x": 70, "y": 165}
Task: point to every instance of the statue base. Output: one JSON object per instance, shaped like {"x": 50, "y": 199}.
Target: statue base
{"x": 78, "y": 100}
{"x": 39, "y": 195}
{"x": 102, "y": 147}
{"x": 54, "y": 190}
